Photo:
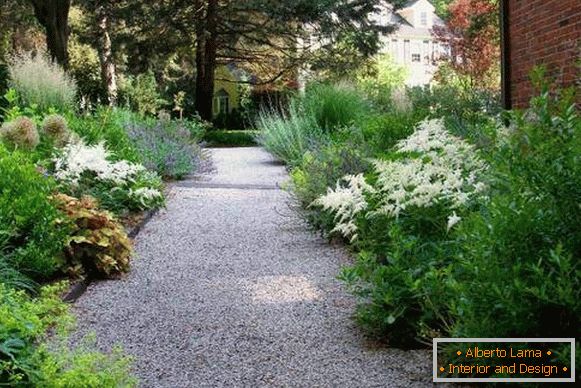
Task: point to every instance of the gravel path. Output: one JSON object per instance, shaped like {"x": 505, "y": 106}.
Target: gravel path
{"x": 229, "y": 289}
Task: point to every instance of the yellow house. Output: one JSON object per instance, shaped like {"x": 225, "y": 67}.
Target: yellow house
{"x": 226, "y": 89}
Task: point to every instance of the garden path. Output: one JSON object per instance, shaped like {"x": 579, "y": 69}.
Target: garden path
{"x": 230, "y": 288}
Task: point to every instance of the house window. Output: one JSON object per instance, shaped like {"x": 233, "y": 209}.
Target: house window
{"x": 416, "y": 52}
{"x": 394, "y": 50}
{"x": 222, "y": 102}
{"x": 406, "y": 50}
{"x": 426, "y": 51}
{"x": 424, "y": 19}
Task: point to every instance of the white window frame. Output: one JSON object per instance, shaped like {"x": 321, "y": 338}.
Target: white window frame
{"x": 424, "y": 19}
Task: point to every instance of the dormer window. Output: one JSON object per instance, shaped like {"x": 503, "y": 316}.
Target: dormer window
{"x": 424, "y": 19}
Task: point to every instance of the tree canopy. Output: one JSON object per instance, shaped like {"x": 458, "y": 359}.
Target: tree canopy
{"x": 271, "y": 39}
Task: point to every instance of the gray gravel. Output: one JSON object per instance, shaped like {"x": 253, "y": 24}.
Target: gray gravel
{"x": 229, "y": 288}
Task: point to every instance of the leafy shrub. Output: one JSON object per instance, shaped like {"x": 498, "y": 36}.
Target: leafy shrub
{"x": 334, "y": 106}
{"x": 382, "y": 132}
{"x": 518, "y": 269}
{"x": 141, "y": 94}
{"x": 26, "y": 359}
{"x": 32, "y": 236}
{"x": 106, "y": 125}
{"x": 456, "y": 104}
{"x": 98, "y": 245}
{"x": 288, "y": 135}
{"x": 20, "y": 134}
{"x": 400, "y": 219}
{"x": 85, "y": 68}
{"x": 235, "y": 138}
{"x": 120, "y": 186}
{"x": 165, "y": 146}
{"x": 378, "y": 84}
{"x": 40, "y": 82}
{"x": 321, "y": 168}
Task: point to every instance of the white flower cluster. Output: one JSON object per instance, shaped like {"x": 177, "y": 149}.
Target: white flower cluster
{"x": 434, "y": 166}
{"x": 146, "y": 195}
{"x": 79, "y": 158}
{"x": 346, "y": 201}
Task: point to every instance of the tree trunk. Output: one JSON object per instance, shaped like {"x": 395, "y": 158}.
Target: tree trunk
{"x": 108, "y": 72}
{"x": 206, "y": 49}
{"x": 53, "y": 15}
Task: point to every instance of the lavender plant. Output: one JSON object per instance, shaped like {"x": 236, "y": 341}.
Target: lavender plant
{"x": 166, "y": 147}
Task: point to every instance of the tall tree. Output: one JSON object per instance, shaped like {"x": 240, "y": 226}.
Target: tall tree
{"x": 256, "y": 32}
{"x": 100, "y": 13}
{"x": 206, "y": 57}
{"x": 472, "y": 34}
{"x": 53, "y": 15}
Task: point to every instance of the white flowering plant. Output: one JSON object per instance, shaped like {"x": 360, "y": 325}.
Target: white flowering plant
{"x": 120, "y": 185}
{"x": 429, "y": 169}
{"x": 401, "y": 216}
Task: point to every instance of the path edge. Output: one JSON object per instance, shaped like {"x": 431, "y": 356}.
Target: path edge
{"x": 79, "y": 288}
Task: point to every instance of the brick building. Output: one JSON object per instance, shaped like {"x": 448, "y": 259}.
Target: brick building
{"x": 539, "y": 32}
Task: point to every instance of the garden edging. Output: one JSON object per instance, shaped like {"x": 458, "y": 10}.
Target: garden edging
{"x": 79, "y": 288}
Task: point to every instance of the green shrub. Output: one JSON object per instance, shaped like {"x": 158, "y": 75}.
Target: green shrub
{"x": 26, "y": 359}
{"x": 519, "y": 271}
{"x": 321, "y": 168}
{"x": 334, "y": 106}
{"x": 379, "y": 82}
{"x": 288, "y": 135}
{"x": 235, "y": 138}
{"x": 382, "y": 132}
{"x": 32, "y": 235}
{"x": 400, "y": 218}
{"x": 141, "y": 94}
{"x": 42, "y": 83}
{"x": 455, "y": 104}
{"x": 85, "y": 68}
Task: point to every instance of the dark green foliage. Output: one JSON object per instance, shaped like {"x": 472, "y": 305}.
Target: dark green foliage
{"x": 32, "y": 236}
{"x": 456, "y": 104}
{"x": 383, "y": 131}
{"x": 3, "y": 87}
{"x": 235, "y": 138}
{"x": 520, "y": 253}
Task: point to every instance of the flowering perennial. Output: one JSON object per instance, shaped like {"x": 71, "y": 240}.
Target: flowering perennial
{"x": 346, "y": 201}
{"x": 146, "y": 196}
{"x": 432, "y": 167}
{"x": 79, "y": 158}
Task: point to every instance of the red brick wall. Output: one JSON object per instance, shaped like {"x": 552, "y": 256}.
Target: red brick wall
{"x": 543, "y": 32}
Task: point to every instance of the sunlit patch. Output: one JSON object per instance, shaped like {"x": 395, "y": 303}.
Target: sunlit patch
{"x": 281, "y": 289}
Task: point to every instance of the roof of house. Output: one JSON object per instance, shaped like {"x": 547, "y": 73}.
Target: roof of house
{"x": 405, "y": 28}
